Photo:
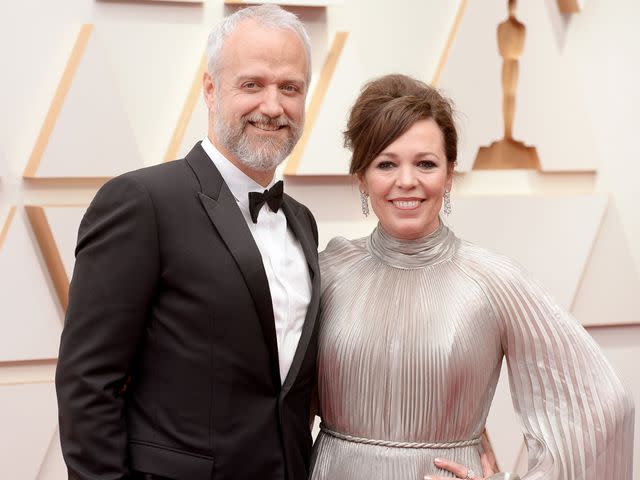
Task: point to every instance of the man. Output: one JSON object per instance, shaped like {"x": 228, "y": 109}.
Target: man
{"x": 189, "y": 346}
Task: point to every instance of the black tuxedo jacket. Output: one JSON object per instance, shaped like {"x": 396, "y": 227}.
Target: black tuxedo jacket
{"x": 169, "y": 291}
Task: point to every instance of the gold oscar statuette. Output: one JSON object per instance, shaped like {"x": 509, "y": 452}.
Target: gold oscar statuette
{"x": 508, "y": 153}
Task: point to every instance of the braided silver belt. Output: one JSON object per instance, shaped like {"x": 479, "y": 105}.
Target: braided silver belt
{"x": 388, "y": 443}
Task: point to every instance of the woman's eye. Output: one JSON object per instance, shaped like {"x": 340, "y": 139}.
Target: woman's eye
{"x": 384, "y": 165}
{"x": 426, "y": 164}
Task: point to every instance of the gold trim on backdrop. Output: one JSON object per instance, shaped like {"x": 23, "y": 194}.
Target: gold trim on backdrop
{"x": 28, "y": 363}
{"x": 452, "y": 35}
{"x": 49, "y": 249}
{"x": 27, "y": 372}
{"x": 319, "y": 93}
{"x": 7, "y": 225}
{"x": 69, "y": 182}
{"x": 187, "y": 112}
{"x": 58, "y": 100}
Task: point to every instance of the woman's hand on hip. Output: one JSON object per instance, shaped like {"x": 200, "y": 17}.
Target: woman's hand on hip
{"x": 462, "y": 471}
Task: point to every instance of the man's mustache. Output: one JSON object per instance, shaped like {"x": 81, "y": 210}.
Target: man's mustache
{"x": 280, "y": 121}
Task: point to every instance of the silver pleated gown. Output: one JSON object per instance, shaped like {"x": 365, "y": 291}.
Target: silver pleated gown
{"x": 412, "y": 338}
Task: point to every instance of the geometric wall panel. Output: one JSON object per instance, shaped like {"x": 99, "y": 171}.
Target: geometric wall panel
{"x": 193, "y": 123}
{"x": 28, "y": 417}
{"x": 31, "y": 315}
{"x": 368, "y": 53}
{"x": 6, "y": 217}
{"x": 153, "y": 67}
{"x": 345, "y": 228}
{"x": 316, "y": 99}
{"x": 64, "y": 223}
{"x": 550, "y": 111}
{"x": 49, "y": 253}
{"x": 551, "y": 237}
{"x": 53, "y": 467}
{"x": 477, "y": 93}
{"x": 29, "y": 85}
{"x": 56, "y": 230}
{"x": 552, "y": 97}
{"x": 621, "y": 346}
{"x": 86, "y": 132}
{"x": 609, "y": 292}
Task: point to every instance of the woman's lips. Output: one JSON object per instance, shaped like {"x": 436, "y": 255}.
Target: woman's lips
{"x": 406, "y": 203}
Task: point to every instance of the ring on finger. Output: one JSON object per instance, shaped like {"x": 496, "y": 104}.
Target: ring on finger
{"x": 470, "y": 474}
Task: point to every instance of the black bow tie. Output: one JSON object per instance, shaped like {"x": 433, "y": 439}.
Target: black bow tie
{"x": 272, "y": 197}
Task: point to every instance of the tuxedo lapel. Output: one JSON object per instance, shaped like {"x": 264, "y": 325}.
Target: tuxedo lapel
{"x": 302, "y": 232}
{"x": 224, "y": 213}
{"x": 301, "y": 229}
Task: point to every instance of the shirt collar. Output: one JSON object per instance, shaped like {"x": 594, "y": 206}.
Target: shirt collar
{"x": 238, "y": 182}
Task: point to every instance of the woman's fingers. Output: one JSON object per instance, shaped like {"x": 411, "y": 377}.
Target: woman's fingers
{"x": 457, "y": 469}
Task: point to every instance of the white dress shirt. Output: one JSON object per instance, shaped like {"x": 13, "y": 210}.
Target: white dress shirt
{"x": 282, "y": 257}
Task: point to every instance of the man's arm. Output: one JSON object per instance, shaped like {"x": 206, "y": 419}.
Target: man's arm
{"x": 114, "y": 279}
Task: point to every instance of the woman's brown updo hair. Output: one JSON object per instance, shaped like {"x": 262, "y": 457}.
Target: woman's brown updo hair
{"x": 386, "y": 108}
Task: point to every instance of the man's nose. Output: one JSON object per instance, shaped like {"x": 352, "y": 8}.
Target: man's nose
{"x": 271, "y": 104}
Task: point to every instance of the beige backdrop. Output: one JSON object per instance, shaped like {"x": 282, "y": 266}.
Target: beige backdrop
{"x": 94, "y": 88}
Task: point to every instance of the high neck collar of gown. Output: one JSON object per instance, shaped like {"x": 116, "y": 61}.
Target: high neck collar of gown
{"x": 434, "y": 248}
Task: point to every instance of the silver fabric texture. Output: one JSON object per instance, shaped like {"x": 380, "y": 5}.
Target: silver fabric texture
{"x": 412, "y": 337}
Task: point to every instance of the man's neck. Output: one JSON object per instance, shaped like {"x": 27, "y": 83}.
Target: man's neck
{"x": 261, "y": 177}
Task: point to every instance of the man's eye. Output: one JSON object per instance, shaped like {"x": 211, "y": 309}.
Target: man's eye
{"x": 250, "y": 85}
{"x": 290, "y": 88}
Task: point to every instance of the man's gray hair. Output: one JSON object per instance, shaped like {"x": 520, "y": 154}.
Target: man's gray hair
{"x": 268, "y": 15}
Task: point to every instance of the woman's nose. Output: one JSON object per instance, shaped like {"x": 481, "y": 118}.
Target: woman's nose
{"x": 406, "y": 177}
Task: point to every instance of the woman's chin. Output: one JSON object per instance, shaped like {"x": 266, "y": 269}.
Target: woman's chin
{"x": 410, "y": 229}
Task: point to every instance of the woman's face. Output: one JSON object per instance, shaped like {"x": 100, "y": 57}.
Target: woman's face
{"x": 407, "y": 181}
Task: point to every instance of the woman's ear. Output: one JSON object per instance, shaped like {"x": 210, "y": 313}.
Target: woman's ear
{"x": 449, "y": 181}
{"x": 362, "y": 183}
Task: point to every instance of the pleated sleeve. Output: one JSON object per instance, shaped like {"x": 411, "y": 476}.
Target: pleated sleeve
{"x": 576, "y": 415}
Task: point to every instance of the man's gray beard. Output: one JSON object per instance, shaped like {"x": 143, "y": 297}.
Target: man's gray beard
{"x": 267, "y": 153}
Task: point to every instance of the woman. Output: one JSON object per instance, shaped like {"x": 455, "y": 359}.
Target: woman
{"x": 415, "y": 323}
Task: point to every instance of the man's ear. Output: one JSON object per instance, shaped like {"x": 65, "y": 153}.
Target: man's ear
{"x": 208, "y": 89}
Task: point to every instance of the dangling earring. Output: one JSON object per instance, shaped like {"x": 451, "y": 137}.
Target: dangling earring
{"x": 364, "y": 203}
{"x": 446, "y": 203}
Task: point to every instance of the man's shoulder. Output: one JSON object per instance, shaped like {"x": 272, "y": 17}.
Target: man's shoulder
{"x": 162, "y": 178}
{"x": 159, "y": 173}
{"x": 166, "y": 181}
